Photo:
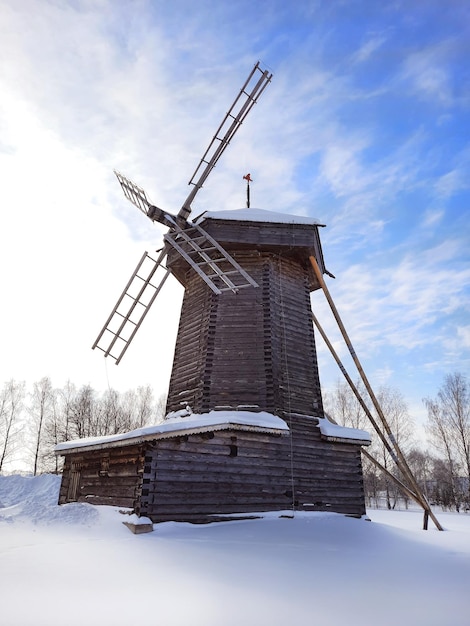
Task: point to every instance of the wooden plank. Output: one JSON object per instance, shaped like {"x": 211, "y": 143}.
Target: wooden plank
{"x": 108, "y": 500}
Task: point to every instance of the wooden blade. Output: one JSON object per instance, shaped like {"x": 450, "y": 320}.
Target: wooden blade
{"x": 133, "y": 193}
{"x": 132, "y": 307}
{"x": 249, "y": 94}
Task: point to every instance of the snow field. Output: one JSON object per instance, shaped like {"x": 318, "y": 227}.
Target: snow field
{"x": 78, "y": 565}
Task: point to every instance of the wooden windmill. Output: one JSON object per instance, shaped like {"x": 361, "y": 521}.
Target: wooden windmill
{"x": 245, "y": 369}
{"x": 247, "y": 432}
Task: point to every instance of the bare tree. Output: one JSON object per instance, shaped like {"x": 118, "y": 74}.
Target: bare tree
{"x": 65, "y": 400}
{"x": 147, "y": 412}
{"x": 343, "y": 405}
{"x": 53, "y": 434}
{"x": 422, "y": 465}
{"x": 141, "y": 409}
{"x": 440, "y": 437}
{"x": 160, "y": 408}
{"x": 11, "y": 404}
{"x": 58, "y": 425}
{"x": 83, "y": 414}
{"x": 448, "y": 427}
{"x": 112, "y": 413}
{"x": 395, "y": 409}
{"x": 58, "y": 415}
{"x": 110, "y": 417}
{"x": 41, "y": 410}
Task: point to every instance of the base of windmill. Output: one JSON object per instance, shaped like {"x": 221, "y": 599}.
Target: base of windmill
{"x": 218, "y": 466}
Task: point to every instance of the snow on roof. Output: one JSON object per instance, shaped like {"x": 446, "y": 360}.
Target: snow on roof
{"x": 178, "y": 425}
{"x": 259, "y": 215}
{"x": 334, "y": 432}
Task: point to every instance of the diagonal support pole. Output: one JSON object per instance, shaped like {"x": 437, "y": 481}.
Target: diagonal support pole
{"x": 400, "y": 459}
{"x": 393, "y": 478}
{"x": 355, "y": 390}
{"x": 365, "y": 408}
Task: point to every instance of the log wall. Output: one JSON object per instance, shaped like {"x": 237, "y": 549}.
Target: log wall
{"x": 112, "y": 476}
{"x": 197, "y": 477}
{"x": 256, "y": 347}
{"x": 201, "y": 477}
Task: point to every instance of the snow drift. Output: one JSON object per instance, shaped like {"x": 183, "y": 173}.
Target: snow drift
{"x": 78, "y": 564}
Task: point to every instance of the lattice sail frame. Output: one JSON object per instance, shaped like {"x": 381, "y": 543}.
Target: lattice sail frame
{"x": 203, "y": 254}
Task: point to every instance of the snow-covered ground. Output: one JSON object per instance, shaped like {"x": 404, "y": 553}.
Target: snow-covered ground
{"x": 79, "y": 565}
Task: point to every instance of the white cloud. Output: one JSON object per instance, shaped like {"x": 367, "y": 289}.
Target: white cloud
{"x": 432, "y": 217}
{"x": 427, "y": 73}
{"x": 454, "y": 180}
{"x": 463, "y": 333}
{"x": 342, "y": 169}
{"x": 397, "y": 304}
{"x": 65, "y": 259}
{"x": 368, "y": 48}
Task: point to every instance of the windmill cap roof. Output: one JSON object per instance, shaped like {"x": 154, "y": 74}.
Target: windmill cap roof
{"x": 259, "y": 215}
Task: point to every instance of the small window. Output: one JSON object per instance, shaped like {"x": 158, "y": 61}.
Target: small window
{"x": 233, "y": 447}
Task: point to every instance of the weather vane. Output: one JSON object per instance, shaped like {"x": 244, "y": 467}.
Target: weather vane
{"x": 249, "y": 180}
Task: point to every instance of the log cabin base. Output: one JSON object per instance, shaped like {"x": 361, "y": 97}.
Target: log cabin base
{"x": 220, "y": 466}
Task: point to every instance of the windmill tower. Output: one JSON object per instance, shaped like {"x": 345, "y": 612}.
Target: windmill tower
{"x": 254, "y": 348}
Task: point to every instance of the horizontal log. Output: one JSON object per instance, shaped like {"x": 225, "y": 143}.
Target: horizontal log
{"x": 250, "y": 504}
{"x": 201, "y": 472}
{"x": 168, "y": 480}
{"x": 123, "y": 481}
{"x": 108, "y": 488}
{"x": 108, "y": 500}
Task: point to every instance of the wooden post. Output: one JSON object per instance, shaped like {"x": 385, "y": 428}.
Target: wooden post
{"x": 354, "y": 389}
{"x": 400, "y": 484}
{"x": 399, "y": 459}
{"x": 365, "y": 408}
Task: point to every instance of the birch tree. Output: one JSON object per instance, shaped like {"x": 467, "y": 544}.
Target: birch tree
{"x": 345, "y": 408}
{"x": 342, "y": 404}
{"x": 395, "y": 409}
{"x": 448, "y": 428}
{"x": 83, "y": 414}
{"x": 11, "y": 404}
{"x": 41, "y": 410}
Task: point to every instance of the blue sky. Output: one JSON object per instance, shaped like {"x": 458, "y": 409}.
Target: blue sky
{"x": 365, "y": 126}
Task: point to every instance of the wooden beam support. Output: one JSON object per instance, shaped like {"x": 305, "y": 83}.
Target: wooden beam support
{"x": 399, "y": 458}
{"x": 365, "y": 408}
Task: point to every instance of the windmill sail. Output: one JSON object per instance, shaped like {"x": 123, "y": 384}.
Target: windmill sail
{"x": 249, "y": 94}
{"x": 208, "y": 259}
{"x": 205, "y": 256}
{"x": 133, "y": 193}
{"x": 132, "y": 306}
